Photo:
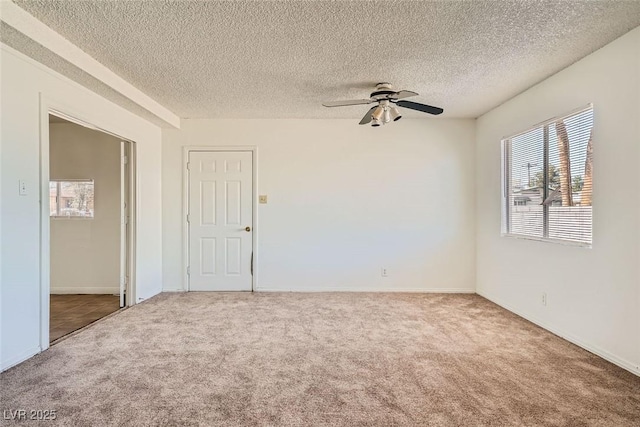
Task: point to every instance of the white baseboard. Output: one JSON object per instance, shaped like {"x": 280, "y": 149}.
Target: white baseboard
{"x": 634, "y": 368}
{"x": 174, "y": 290}
{"x": 55, "y": 290}
{"x": 348, "y": 289}
{"x": 6, "y": 364}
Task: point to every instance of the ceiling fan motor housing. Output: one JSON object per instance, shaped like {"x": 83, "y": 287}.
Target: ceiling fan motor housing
{"x": 383, "y": 90}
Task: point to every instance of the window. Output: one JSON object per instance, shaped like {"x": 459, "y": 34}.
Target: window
{"x": 548, "y": 180}
{"x": 72, "y": 198}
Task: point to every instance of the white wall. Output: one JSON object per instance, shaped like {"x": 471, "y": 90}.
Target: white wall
{"x": 593, "y": 294}
{"x": 345, "y": 200}
{"x": 85, "y": 253}
{"x": 23, "y": 81}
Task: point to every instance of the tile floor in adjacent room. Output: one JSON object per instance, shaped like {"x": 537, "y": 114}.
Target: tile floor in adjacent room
{"x": 72, "y": 312}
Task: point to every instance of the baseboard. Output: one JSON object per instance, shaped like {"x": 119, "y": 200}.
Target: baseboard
{"x": 348, "y": 289}
{"x": 634, "y": 368}
{"x": 84, "y": 290}
{"x": 174, "y": 290}
{"x": 19, "y": 359}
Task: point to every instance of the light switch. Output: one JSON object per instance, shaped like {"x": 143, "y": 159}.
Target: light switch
{"x": 22, "y": 188}
{"x": 262, "y": 198}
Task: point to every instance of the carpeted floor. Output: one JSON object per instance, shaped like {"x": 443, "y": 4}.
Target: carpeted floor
{"x": 333, "y": 359}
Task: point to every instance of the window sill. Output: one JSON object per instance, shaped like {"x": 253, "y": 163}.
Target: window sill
{"x": 548, "y": 240}
{"x": 73, "y": 218}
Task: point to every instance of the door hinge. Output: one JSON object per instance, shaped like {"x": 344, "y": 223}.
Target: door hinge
{"x": 189, "y": 271}
{"x": 125, "y": 160}
{"x": 188, "y": 217}
{"x": 188, "y": 166}
{"x": 252, "y": 263}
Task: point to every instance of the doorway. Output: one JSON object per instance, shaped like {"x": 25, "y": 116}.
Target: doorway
{"x": 90, "y": 205}
{"x": 220, "y": 220}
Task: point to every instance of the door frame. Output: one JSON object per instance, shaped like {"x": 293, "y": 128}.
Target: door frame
{"x": 61, "y": 109}
{"x": 127, "y": 225}
{"x": 186, "y": 150}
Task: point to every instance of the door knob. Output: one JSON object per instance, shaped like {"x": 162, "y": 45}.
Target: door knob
{"x": 247, "y": 229}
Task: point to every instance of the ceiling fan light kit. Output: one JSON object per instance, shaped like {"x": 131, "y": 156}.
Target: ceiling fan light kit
{"x": 378, "y": 113}
{"x": 387, "y": 99}
{"x": 395, "y": 114}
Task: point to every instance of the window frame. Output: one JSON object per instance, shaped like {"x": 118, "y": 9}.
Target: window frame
{"x": 57, "y": 215}
{"x": 505, "y": 149}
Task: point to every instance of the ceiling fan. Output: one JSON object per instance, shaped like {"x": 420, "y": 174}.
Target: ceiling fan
{"x": 385, "y": 111}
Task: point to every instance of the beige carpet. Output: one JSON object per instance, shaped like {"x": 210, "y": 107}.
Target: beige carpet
{"x": 334, "y": 359}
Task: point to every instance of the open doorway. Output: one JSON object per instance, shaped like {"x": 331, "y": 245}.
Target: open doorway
{"x": 90, "y": 207}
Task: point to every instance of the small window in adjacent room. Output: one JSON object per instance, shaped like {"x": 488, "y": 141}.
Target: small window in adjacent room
{"x": 71, "y": 198}
{"x": 548, "y": 180}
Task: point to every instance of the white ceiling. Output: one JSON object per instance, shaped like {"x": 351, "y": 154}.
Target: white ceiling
{"x": 248, "y": 59}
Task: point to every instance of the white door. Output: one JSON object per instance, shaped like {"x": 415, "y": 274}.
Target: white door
{"x": 220, "y": 219}
{"x": 124, "y": 219}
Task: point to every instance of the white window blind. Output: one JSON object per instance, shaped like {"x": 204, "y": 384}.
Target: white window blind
{"x": 548, "y": 180}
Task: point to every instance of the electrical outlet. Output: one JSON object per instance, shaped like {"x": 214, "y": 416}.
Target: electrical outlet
{"x": 544, "y": 298}
{"x": 22, "y": 188}
{"x": 384, "y": 272}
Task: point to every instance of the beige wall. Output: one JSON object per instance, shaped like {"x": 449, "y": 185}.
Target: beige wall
{"x": 593, "y": 295}
{"x": 27, "y": 86}
{"x": 344, "y": 201}
{"x": 85, "y": 252}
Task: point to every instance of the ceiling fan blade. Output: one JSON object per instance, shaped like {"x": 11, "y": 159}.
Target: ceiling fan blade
{"x": 420, "y": 107}
{"x": 367, "y": 117}
{"x": 350, "y": 102}
{"x": 404, "y": 94}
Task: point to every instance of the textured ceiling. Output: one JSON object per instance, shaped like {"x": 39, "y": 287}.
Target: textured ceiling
{"x": 249, "y": 59}
{"x": 18, "y": 41}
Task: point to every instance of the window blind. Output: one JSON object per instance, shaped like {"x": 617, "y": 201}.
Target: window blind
{"x": 549, "y": 179}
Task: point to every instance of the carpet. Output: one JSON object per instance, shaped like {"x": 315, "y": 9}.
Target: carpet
{"x": 319, "y": 359}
